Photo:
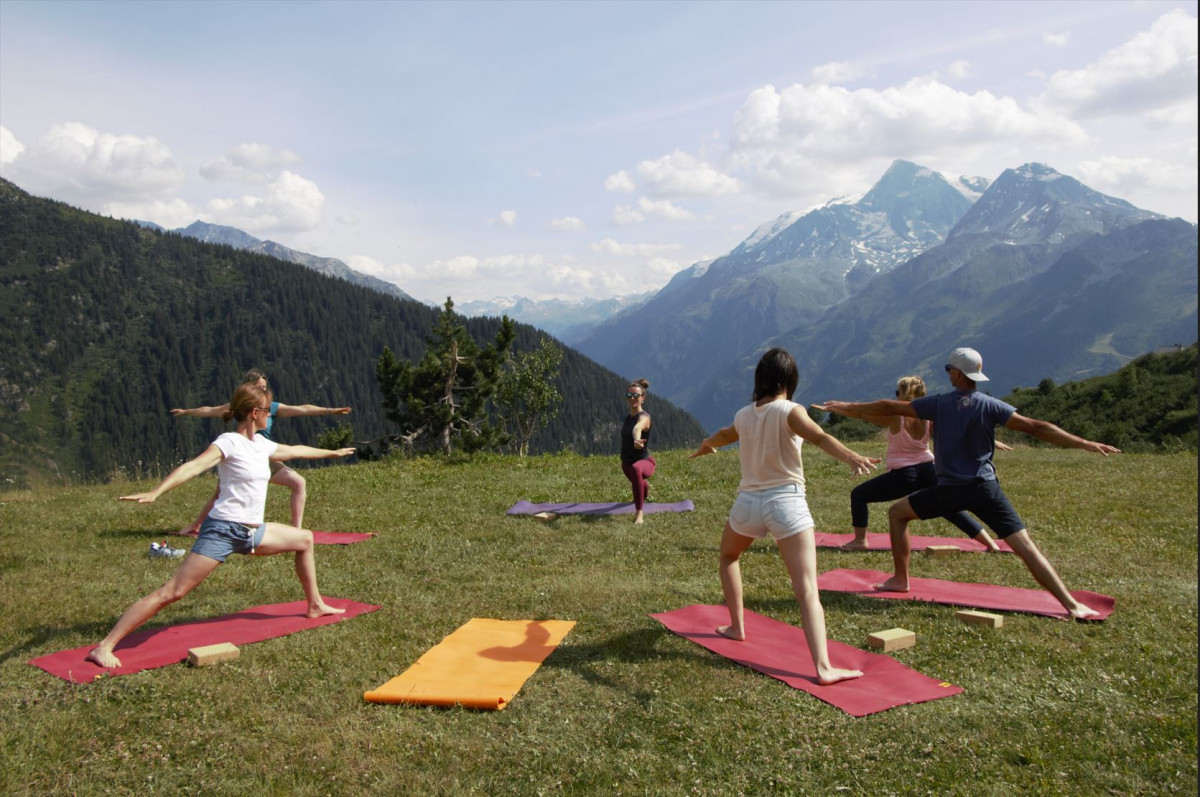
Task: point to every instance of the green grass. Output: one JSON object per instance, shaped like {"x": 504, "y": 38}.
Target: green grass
{"x": 622, "y": 706}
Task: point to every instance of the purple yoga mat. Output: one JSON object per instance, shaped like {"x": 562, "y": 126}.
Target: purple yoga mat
{"x": 781, "y": 651}
{"x": 526, "y": 508}
{"x": 954, "y": 593}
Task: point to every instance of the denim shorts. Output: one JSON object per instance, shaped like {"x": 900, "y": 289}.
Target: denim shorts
{"x": 219, "y": 538}
{"x": 780, "y": 511}
{"x": 983, "y": 498}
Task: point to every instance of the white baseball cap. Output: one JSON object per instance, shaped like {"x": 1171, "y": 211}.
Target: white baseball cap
{"x": 969, "y": 362}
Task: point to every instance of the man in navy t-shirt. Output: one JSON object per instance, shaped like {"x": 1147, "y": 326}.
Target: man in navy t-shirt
{"x": 964, "y": 424}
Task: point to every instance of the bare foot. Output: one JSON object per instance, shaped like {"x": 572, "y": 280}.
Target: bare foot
{"x": 854, "y": 545}
{"x": 104, "y": 658}
{"x": 833, "y": 675}
{"x": 1084, "y": 613}
{"x": 323, "y": 609}
{"x": 893, "y": 584}
{"x": 638, "y": 518}
{"x": 728, "y": 632}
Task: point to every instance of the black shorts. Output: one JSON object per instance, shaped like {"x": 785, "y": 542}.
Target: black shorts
{"x": 984, "y": 499}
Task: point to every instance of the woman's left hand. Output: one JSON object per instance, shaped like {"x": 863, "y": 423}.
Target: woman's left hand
{"x": 141, "y": 498}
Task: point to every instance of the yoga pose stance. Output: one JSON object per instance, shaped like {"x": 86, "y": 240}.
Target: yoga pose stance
{"x": 964, "y": 423}
{"x": 235, "y": 524}
{"x": 910, "y": 468}
{"x": 771, "y": 499}
{"x": 636, "y": 461}
{"x": 280, "y": 474}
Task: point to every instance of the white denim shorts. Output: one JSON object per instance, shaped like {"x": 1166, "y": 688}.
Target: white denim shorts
{"x": 780, "y": 511}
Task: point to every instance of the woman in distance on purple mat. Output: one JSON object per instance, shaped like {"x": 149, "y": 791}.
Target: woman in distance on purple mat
{"x": 636, "y": 462}
{"x": 770, "y": 432}
{"x": 235, "y": 524}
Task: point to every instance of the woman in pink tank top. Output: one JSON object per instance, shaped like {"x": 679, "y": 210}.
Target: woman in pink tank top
{"x": 910, "y": 468}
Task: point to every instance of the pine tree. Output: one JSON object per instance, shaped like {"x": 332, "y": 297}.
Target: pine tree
{"x": 444, "y": 399}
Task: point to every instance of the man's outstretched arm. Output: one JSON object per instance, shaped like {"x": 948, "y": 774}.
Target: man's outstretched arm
{"x": 1048, "y": 432}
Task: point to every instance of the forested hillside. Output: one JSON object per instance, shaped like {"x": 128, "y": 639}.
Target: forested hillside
{"x": 1149, "y": 403}
{"x": 106, "y": 326}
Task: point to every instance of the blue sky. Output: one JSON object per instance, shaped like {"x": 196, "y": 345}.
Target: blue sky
{"x": 571, "y": 149}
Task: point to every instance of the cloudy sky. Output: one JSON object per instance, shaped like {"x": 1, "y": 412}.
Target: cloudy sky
{"x": 571, "y": 149}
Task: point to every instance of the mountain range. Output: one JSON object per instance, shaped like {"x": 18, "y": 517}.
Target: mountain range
{"x": 1046, "y": 277}
{"x": 569, "y": 320}
{"x": 330, "y": 266}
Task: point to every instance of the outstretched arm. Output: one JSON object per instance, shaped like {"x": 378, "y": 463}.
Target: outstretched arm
{"x": 308, "y": 410}
{"x": 642, "y": 424}
{"x": 883, "y": 408}
{"x": 308, "y": 452}
{"x": 201, "y": 412}
{"x": 181, "y": 475}
{"x": 806, "y": 427}
{"x": 708, "y": 445}
{"x": 1048, "y": 432}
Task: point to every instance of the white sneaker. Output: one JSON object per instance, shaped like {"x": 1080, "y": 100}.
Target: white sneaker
{"x": 160, "y": 550}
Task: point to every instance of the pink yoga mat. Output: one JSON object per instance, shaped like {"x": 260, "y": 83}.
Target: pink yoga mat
{"x": 526, "y": 508}
{"x": 883, "y": 542}
{"x": 323, "y": 537}
{"x": 158, "y": 647}
{"x": 954, "y": 593}
{"x": 781, "y": 651}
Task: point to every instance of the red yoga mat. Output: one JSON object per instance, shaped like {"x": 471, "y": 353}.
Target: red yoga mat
{"x": 158, "y": 647}
{"x": 322, "y": 537}
{"x": 883, "y": 542}
{"x": 954, "y": 593}
{"x": 781, "y": 651}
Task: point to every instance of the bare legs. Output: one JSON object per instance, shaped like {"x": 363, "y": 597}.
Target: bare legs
{"x": 194, "y": 569}
{"x": 1045, "y": 574}
{"x": 799, "y": 555}
{"x": 901, "y": 512}
{"x": 279, "y": 538}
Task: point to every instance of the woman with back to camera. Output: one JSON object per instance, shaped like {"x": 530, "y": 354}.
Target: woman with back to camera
{"x": 771, "y": 499}
{"x": 910, "y": 468}
{"x": 636, "y": 462}
{"x": 235, "y": 524}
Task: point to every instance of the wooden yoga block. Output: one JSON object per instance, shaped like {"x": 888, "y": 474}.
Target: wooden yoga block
{"x": 892, "y": 639}
{"x": 212, "y": 654}
{"x": 545, "y": 517}
{"x": 942, "y": 550}
{"x": 980, "y": 618}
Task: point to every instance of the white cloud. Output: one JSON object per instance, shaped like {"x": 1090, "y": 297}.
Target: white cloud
{"x": 568, "y": 224}
{"x": 786, "y": 140}
{"x": 682, "y": 175}
{"x": 507, "y": 218}
{"x": 290, "y": 203}
{"x": 959, "y": 70}
{"x": 1056, "y": 39}
{"x": 610, "y": 246}
{"x": 1156, "y": 69}
{"x": 76, "y": 163}
{"x": 11, "y": 148}
{"x": 663, "y": 267}
{"x": 1124, "y": 176}
{"x": 624, "y": 215}
{"x": 664, "y": 209}
{"x": 620, "y": 182}
{"x": 169, "y": 213}
{"x": 253, "y": 164}
{"x": 836, "y": 72}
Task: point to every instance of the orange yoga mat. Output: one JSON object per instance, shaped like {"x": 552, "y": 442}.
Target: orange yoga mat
{"x": 481, "y": 665}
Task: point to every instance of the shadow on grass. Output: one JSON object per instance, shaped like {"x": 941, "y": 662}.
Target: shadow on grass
{"x": 153, "y": 534}
{"x": 631, "y": 647}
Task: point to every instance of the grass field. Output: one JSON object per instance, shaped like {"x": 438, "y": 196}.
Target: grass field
{"x": 623, "y": 706}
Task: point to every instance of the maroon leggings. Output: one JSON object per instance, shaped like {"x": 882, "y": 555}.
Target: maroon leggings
{"x": 637, "y": 473}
